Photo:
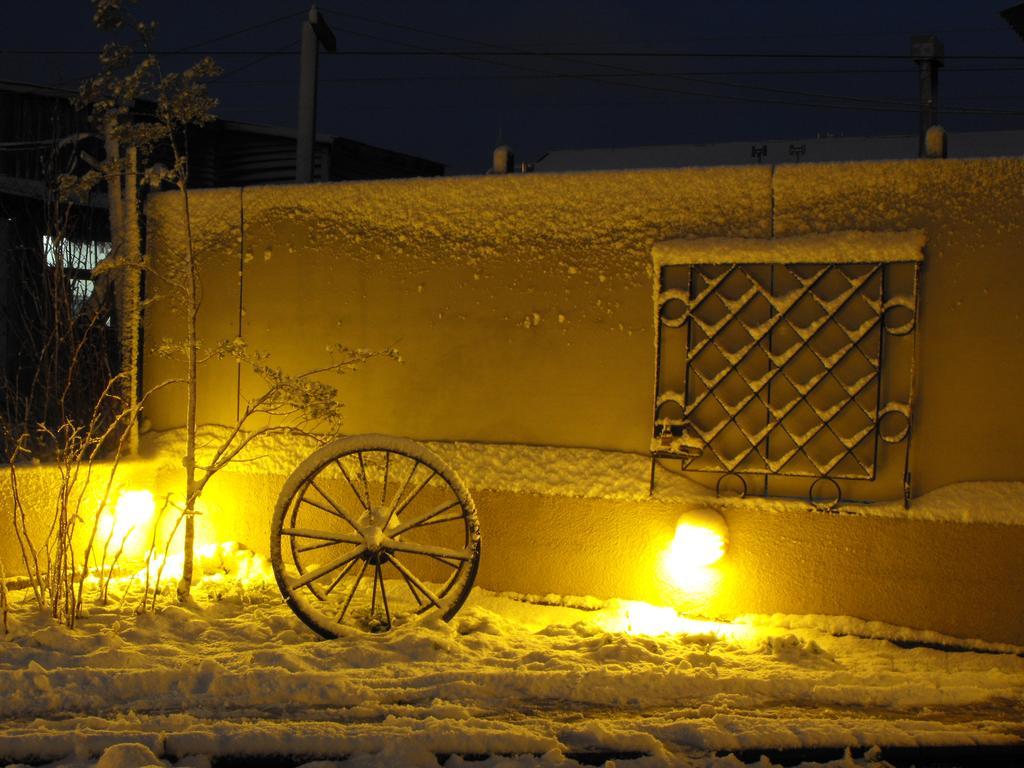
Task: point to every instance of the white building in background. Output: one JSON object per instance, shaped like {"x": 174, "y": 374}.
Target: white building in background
{"x": 824, "y": 149}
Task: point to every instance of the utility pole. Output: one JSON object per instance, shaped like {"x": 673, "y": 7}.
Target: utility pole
{"x": 7, "y": 281}
{"x": 315, "y": 33}
{"x": 928, "y": 53}
{"x": 1014, "y": 16}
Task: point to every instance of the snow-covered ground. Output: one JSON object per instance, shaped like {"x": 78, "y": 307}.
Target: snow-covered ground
{"x": 236, "y": 673}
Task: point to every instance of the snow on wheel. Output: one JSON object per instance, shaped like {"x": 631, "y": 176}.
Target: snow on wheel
{"x": 373, "y": 532}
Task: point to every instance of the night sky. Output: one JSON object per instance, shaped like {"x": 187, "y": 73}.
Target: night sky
{"x": 452, "y": 107}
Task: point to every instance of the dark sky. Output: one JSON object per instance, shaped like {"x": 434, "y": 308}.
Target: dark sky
{"x": 451, "y": 108}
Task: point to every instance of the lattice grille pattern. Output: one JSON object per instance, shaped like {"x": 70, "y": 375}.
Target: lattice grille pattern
{"x": 782, "y": 368}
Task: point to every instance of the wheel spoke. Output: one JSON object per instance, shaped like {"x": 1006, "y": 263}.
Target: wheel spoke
{"x": 365, "y": 503}
{"x": 323, "y": 570}
{"x": 423, "y": 519}
{"x": 409, "y": 584}
{"x": 438, "y": 521}
{"x": 312, "y": 533}
{"x": 352, "y": 594}
{"x": 456, "y": 564}
{"x": 415, "y": 548}
{"x": 415, "y": 581}
{"x": 384, "y": 596}
{"x": 362, "y": 476}
{"x": 384, "y": 488}
{"x": 334, "y": 509}
{"x": 408, "y": 499}
{"x": 311, "y": 547}
{"x": 344, "y": 572}
{"x": 373, "y": 589}
{"x": 401, "y": 491}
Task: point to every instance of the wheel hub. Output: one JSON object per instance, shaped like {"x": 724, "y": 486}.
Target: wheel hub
{"x": 373, "y": 537}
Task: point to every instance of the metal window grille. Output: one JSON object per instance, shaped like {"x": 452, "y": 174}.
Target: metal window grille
{"x": 780, "y": 369}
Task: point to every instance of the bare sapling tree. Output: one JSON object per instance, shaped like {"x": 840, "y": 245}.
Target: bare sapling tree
{"x": 5, "y": 604}
{"x": 146, "y": 112}
{"x": 297, "y": 404}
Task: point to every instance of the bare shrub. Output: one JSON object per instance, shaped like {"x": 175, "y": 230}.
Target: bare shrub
{"x": 66, "y": 411}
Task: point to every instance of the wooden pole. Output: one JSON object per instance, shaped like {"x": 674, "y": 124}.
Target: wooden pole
{"x": 315, "y": 33}
{"x": 307, "y": 102}
{"x": 928, "y": 53}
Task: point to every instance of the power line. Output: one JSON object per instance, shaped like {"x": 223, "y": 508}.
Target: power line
{"x": 221, "y": 79}
{"x": 525, "y": 54}
{"x": 856, "y": 103}
{"x": 758, "y": 36}
{"x": 568, "y": 76}
{"x": 502, "y": 50}
{"x": 571, "y": 76}
{"x": 461, "y": 105}
{"x": 620, "y": 75}
{"x": 244, "y": 30}
{"x": 558, "y": 76}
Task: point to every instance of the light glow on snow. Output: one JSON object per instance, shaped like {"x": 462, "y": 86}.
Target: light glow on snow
{"x": 215, "y": 562}
{"x": 639, "y": 619}
{"x": 644, "y": 619}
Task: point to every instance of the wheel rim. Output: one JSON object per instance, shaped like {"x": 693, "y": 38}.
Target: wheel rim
{"x": 371, "y": 533}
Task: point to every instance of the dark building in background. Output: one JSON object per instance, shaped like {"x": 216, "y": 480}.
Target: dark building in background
{"x": 229, "y": 154}
{"x": 43, "y": 135}
{"x": 36, "y": 120}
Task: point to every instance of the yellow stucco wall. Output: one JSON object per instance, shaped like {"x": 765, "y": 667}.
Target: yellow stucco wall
{"x": 520, "y": 304}
{"x": 522, "y": 307}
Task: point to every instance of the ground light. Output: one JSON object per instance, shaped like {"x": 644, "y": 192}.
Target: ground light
{"x": 132, "y": 512}
{"x": 700, "y": 541}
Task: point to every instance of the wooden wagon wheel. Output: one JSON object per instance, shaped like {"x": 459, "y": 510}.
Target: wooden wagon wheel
{"x": 373, "y": 532}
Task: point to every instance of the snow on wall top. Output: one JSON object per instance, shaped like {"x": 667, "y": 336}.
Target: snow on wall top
{"x": 480, "y": 216}
{"x": 948, "y": 198}
{"x": 831, "y": 248}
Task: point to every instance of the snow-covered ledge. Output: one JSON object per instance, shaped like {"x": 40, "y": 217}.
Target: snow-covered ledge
{"x": 831, "y": 248}
{"x": 589, "y": 473}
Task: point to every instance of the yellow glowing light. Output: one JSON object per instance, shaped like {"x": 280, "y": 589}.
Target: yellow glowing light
{"x": 133, "y": 511}
{"x": 695, "y": 546}
{"x": 700, "y": 541}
